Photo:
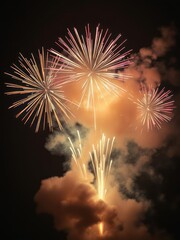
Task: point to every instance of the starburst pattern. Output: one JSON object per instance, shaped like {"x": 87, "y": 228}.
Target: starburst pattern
{"x": 43, "y": 97}
{"x": 93, "y": 62}
{"x": 155, "y": 107}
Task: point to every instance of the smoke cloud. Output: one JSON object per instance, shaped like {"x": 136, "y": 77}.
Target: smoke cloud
{"x": 73, "y": 203}
{"x": 76, "y": 208}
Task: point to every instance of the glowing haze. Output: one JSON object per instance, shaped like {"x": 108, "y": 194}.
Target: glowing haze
{"x": 90, "y": 201}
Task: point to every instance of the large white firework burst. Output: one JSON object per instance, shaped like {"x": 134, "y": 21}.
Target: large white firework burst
{"x": 93, "y": 62}
{"x": 43, "y": 96}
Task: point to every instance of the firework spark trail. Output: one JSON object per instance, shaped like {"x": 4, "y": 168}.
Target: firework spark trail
{"x": 77, "y": 156}
{"x": 100, "y": 157}
{"x": 93, "y": 62}
{"x": 155, "y": 107}
{"x": 102, "y": 162}
{"x": 43, "y": 96}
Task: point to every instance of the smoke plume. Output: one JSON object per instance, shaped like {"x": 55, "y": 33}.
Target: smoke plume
{"x": 73, "y": 202}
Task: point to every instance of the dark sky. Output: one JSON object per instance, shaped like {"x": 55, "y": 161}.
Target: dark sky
{"x": 25, "y": 28}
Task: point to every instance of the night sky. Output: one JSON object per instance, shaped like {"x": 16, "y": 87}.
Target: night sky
{"x": 26, "y": 27}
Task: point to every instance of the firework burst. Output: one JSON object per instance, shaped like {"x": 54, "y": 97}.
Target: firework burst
{"x": 93, "y": 62}
{"x": 155, "y": 107}
{"x": 42, "y": 95}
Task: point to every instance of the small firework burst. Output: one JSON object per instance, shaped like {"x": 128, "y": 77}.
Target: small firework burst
{"x": 155, "y": 107}
{"x": 93, "y": 62}
{"x": 43, "y": 96}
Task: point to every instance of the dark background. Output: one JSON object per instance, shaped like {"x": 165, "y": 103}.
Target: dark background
{"x": 25, "y": 27}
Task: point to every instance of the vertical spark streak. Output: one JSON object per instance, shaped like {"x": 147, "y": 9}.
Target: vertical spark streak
{"x": 77, "y": 156}
{"x": 102, "y": 162}
{"x": 101, "y": 227}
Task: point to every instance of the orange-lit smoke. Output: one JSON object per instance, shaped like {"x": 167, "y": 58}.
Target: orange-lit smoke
{"x": 72, "y": 201}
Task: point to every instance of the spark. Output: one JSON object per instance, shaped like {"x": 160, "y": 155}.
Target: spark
{"x": 101, "y": 227}
{"x": 43, "y": 97}
{"x": 155, "y": 107}
{"x": 77, "y": 156}
{"x": 102, "y": 162}
{"x": 100, "y": 157}
{"x": 93, "y": 62}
